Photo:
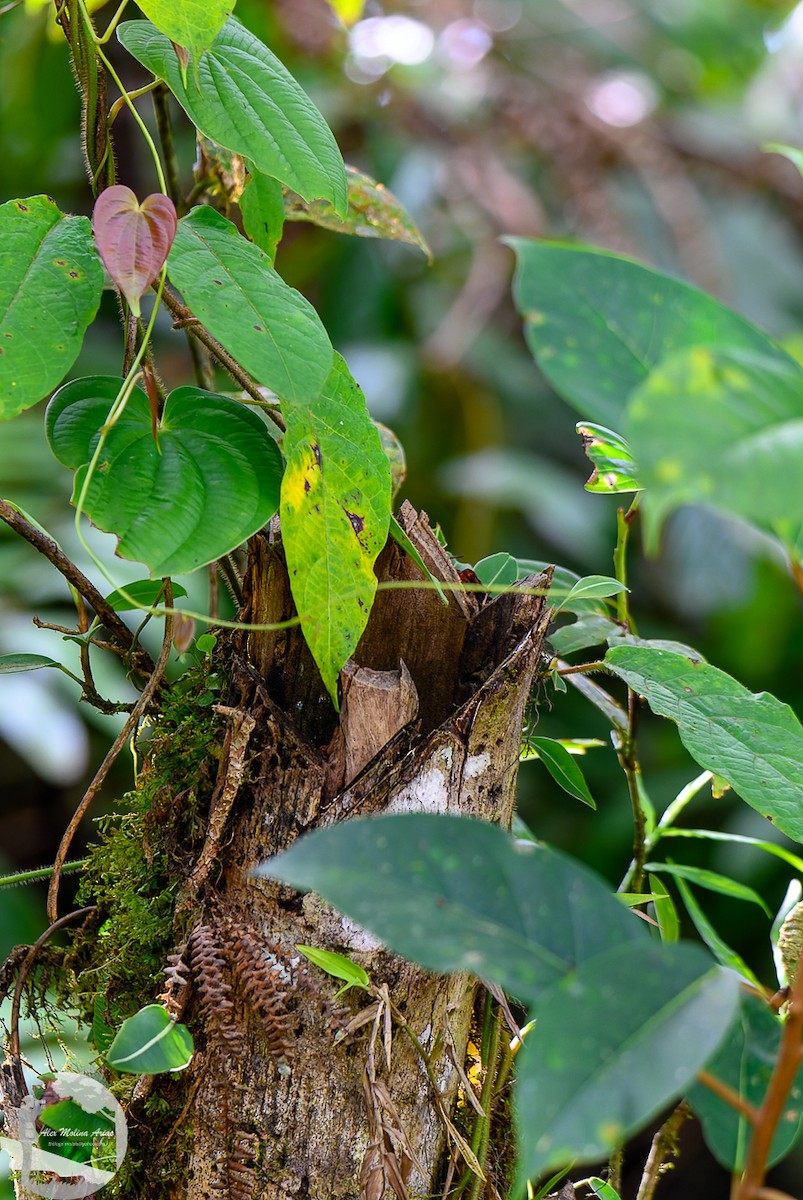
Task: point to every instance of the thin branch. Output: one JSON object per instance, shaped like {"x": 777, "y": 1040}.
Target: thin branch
{"x": 16, "y": 1004}
{"x": 140, "y": 659}
{"x": 120, "y": 741}
{"x": 184, "y": 318}
{"x": 663, "y": 1148}
{"x": 787, "y": 1065}
{"x": 729, "y": 1095}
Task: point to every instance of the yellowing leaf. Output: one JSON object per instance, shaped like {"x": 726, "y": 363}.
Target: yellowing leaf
{"x": 335, "y": 514}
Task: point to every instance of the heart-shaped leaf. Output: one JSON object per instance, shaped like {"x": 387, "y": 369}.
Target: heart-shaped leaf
{"x": 208, "y": 482}
{"x": 242, "y": 97}
{"x": 51, "y": 282}
{"x": 133, "y": 239}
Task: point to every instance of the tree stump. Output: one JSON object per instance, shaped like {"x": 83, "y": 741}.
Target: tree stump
{"x": 277, "y": 1103}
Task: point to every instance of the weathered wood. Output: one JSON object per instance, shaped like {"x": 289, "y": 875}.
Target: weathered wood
{"x": 430, "y": 720}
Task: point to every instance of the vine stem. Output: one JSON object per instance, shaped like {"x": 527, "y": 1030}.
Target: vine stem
{"x": 787, "y": 1065}
{"x": 39, "y": 873}
{"x": 184, "y": 317}
{"x": 664, "y": 1145}
{"x": 125, "y": 733}
{"x": 131, "y": 107}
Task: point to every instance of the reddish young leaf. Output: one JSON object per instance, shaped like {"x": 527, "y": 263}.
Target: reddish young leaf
{"x": 133, "y": 239}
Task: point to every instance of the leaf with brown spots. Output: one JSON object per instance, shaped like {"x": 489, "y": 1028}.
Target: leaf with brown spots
{"x": 335, "y": 512}
{"x": 51, "y": 281}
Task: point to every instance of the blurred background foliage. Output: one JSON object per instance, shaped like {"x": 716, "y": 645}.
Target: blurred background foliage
{"x": 636, "y": 125}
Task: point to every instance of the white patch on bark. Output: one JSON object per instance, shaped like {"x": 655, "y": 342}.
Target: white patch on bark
{"x": 429, "y": 791}
{"x": 477, "y": 765}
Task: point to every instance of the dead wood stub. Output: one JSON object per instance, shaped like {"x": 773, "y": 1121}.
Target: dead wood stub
{"x": 431, "y": 716}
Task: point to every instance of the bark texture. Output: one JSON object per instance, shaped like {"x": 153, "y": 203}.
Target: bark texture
{"x": 278, "y": 1104}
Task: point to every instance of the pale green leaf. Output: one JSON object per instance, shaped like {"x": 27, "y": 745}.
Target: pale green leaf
{"x": 51, "y": 280}
{"x": 193, "y": 24}
{"x": 592, "y": 587}
{"x": 241, "y": 96}
{"x": 13, "y": 664}
{"x": 794, "y": 154}
{"x": 614, "y": 466}
{"x": 337, "y": 965}
{"x": 753, "y": 741}
{"x": 335, "y": 514}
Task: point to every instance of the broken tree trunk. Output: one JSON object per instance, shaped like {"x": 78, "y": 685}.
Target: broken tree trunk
{"x": 278, "y": 1103}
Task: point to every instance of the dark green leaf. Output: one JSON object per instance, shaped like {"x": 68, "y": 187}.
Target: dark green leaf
{"x": 614, "y": 466}
{"x": 373, "y": 212}
{"x": 335, "y": 513}
{"x": 142, "y": 593}
{"x": 753, "y": 741}
{"x": 240, "y": 95}
{"x": 163, "y": 498}
{"x": 598, "y": 323}
{"x": 150, "y": 1042}
{"x": 563, "y": 769}
{"x": 51, "y": 281}
{"x": 745, "y": 1062}
{"x": 590, "y": 631}
{"x": 519, "y": 914}
{"x": 614, "y": 1042}
{"x": 232, "y": 288}
{"x": 724, "y": 428}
